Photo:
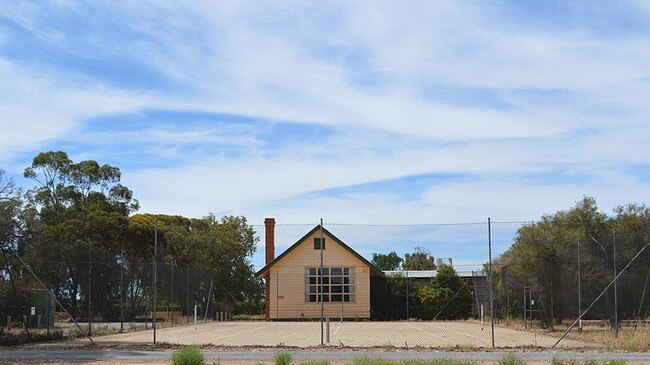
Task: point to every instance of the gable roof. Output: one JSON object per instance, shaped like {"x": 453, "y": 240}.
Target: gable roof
{"x": 373, "y": 268}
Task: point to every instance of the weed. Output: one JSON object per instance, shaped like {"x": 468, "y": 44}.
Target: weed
{"x": 615, "y": 362}
{"x": 467, "y": 347}
{"x": 187, "y": 355}
{"x": 632, "y": 346}
{"x": 436, "y": 362}
{"x": 365, "y": 360}
{"x": 283, "y": 358}
{"x": 511, "y": 359}
{"x": 316, "y": 362}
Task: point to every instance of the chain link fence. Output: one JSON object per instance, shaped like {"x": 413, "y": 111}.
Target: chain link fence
{"x": 92, "y": 292}
{"x": 466, "y": 285}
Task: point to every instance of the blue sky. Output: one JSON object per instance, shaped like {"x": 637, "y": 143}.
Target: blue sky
{"x": 354, "y": 111}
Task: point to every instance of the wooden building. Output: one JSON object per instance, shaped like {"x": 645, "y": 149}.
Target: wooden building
{"x": 295, "y": 284}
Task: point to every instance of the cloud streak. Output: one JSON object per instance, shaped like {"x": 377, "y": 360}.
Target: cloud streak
{"x": 336, "y": 109}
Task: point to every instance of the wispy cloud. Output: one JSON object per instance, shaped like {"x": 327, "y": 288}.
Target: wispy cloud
{"x": 445, "y": 111}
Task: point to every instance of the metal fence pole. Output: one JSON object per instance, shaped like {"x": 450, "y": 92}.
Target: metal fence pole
{"x": 406, "y": 283}
{"x": 90, "y": 280}
{"x": 155, "y": 278}
{"x": 187, "y": 293}
{"x": 171, "y": 294}
{"x": 322, "y": 305}
{"x": 491, "y": 276}
{"x": 122, "y": 292}
{"x": 615, "y": 288}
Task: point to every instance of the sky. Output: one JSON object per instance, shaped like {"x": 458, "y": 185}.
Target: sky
{"x": 352, "y": 111}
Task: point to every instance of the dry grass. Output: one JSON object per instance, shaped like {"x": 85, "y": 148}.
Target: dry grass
{"x": 597, "y": 331}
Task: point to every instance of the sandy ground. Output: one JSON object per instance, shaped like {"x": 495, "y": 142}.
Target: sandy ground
{"x": 347, "y": 334}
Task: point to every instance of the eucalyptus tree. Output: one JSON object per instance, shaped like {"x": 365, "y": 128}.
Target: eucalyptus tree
{"x": 82, "y": 210}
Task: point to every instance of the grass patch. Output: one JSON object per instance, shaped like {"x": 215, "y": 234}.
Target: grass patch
{"x": 559, "y": 361}
{"x": 283, "y": 358}
{"x": 511, "y": 359}
{"x": 248, "y": 317}
{"x": 316, "y": 362}
{"x": 8, "y": 338}
{"x": 598, "y": 331}
{"x": 365, "y": 360}
{"x": 188, "y": 355}
{"x": 466, "y": 347}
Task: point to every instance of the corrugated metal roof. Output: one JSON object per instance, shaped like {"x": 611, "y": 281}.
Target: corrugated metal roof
{"x": 431, "y": 273}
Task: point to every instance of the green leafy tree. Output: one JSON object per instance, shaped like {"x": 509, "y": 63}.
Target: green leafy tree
{"x": 448, "y": 296}
{"x": 14, "y": 294}
{"x": 390, "y": 261}
{"x": 545, "y": 253}
{"x": 393, "y": 298}
{"x": 82, "y": 211}
{"x": 419, "y": 260}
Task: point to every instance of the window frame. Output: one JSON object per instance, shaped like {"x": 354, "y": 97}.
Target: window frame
{"x": 336, "y": 288}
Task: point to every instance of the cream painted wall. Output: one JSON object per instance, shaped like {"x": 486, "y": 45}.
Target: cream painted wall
{"x": 287, "y": 299}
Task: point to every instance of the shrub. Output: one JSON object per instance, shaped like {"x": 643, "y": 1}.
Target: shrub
{"x": 511, "y": 359}
{"x": 15, "y": 339}
{"x": 283, "y": 358}
{"x": 447, "y": 295}
{"x": 187, "y": 355}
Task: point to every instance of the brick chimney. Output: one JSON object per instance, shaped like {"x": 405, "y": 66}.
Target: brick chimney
{"x": 270, "y": 239}
{"x": 269, "y": 223}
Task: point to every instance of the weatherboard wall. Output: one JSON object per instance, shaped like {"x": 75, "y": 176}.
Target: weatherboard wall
{"x": 287, "y": 282}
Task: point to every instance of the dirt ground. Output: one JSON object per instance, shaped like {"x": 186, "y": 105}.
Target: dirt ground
{"x": 347, "y": 334}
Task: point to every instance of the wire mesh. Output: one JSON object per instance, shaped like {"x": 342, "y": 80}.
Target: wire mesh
{"x": 425, "y": 285}
{"x": 93, "y": 292}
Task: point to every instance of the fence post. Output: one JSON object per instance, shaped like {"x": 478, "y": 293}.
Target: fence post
{"x": 122, "y": 292}
{"x": 187, "y": 293}
{"x": 322, "y": 304}
{"x": 155, "y": 278}
{"x": 406, "y": 283}
{"x": 90, "y": 280}
{"x": 491, "y": 279}
{"x": 171, "y": 295}
{"x": 615, "y": 288}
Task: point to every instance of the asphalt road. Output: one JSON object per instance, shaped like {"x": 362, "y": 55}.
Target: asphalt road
{"x": 331, "y": 355}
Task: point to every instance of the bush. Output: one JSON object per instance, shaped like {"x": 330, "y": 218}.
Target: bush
{"x": 283, "y": 358}
{"x": 511, "y": 359}
{"x": 447, "y": 295}
{"x": 187, "y": 355}
{"x": 15, "y": 339}
{"x": 250, "y": 307}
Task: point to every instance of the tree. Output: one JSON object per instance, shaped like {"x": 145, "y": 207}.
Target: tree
{"x": 419, "y": 260}
{"x": 223, "y": 247}
{"x": 545, "y": 253}
{"x": 81, "y": 207}
{"x": 390, "y": 261}
{"x": 390, "y": 296}
{"x": 448, "y": 296}
{"x": 10, "y": 226}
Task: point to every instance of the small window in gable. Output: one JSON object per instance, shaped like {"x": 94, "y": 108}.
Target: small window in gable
{"x": 317, "y": 243}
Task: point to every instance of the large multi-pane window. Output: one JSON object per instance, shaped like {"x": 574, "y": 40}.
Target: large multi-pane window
{"x": 337, "y": 284}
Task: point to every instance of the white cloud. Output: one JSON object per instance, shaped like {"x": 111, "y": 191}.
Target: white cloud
{"x": 36, "y": 110}
{"x": 554, "y": 100}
